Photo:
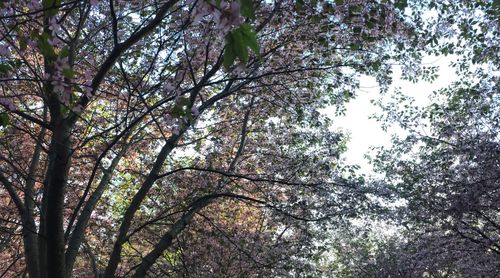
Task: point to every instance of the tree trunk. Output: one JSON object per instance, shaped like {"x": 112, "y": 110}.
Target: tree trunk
{"x": 57, "y": 173}
{"x": 30, "y": 237}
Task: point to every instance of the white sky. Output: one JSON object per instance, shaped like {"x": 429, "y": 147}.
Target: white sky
{"x": 365, "y": 132}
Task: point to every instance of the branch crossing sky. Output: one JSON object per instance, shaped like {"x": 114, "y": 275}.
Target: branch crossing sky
{"x": 365, "y": 132}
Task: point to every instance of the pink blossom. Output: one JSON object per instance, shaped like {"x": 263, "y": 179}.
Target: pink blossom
{"x": 195, "y": 111}
{"x": 124, "y": 95}
{"x": 234, "y": 8}
{"x": 239, "y": 70}
{"x": 168, "y": 119}
{"x": 179, "y": 76}
{"x": 7, "y": 9}
{"x": 229, "y": 18}
{"x": 8, "y": 104}
{"x": 88, "y": 91}
{"x": 77, "y": 109}
{"x": 34, "y": 5}
{"x": 203, "y": 9}
{"x": 168, "y": 87}
{"x": 61, "y": 63}
{"x": 175, "y": 130}
{"x": 55, "y": 42}
{"x": 87, "y": 83}
{"x": 32, "y": 44}
{"x": 54, "y": 25}
{"x": 46, "y": 76}
{"x": 4, "y": 50}
{"x": 88, "y": 77}
{"x": 59, "y": 88}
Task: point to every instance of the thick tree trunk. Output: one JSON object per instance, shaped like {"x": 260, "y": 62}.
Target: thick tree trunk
{"x": 31, "y": 248}
{"x": 42, "y": 241}
{"x": 59, "y": 163}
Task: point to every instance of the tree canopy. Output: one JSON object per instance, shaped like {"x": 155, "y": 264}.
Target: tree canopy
{"x": 184, "y": 138}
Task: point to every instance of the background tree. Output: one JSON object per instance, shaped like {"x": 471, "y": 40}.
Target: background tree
{"x": 441, "y": 180}
{"x": 447, "y": 172}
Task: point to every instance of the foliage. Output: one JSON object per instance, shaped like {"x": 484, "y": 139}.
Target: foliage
{"x": 138, "y": 137}
{"x": 447, "y": 170}
{"x": 441, "y": 180}
{"x": 184, "y": 138}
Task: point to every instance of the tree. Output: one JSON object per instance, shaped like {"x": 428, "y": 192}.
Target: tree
{"x": 448, "y": 172}
{"x": 447, "y": 168}
{"x": 440, "y": 188}
{"x": 133, "y": 131}
{"x": 440, "y": 181}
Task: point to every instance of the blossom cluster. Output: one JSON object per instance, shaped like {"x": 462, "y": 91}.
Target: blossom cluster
{"x": 226, "y": 15}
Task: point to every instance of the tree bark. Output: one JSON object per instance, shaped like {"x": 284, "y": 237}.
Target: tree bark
{"x": 135, "y": 204}
{"x": 59, "y": 163}
{"x": 77, "y": 235}
{"x": 166, "y": 240}
{"x": 30, "y": 237}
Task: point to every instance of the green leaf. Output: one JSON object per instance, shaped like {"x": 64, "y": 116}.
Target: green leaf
{"x": 64, "y": 52}
{"x": 64, "y": 110}
{"x": 183, "y": 101}
{"x": 339, "y": 2}
{"x": 177, "y": 111}
{"x": 299, "y": 4}
{"x": 401, "y": 4}
{"x": 49, "y": 6}
{"x": 250, "y": 38}
{"x": 355, "y": 46}
{"x": 68, "y": 73}
{"x": 355, "y": 9}
{"x": 46, "y": 49}
{"x": 247, "y": 9}
{"x": 370, "y": 25}
{"x": 237, "y": 43}
{"x": 4, "y": 68}
{"x": 4, "y": 119}
{"x": 229, "y": 55}
{"x": 180, "y": 108}
{"x": 15, "y": 63}
{"x": 22, "y": 43}
{"x": 316, "y": 18}
{"x": 240, "y": 47}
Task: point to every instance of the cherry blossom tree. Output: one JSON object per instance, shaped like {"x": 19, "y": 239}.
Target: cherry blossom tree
{"x": 440, "y": 189}
{"x": 446, "y": 170}
{"x": 139, "y": 135}
{"x": 440, "y": 180}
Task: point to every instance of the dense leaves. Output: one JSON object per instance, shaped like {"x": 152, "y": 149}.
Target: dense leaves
{"x": 446, "y": 172}
{"x": 140, "y": 138}
{"x": 184, "y": 138}
{"x": 441, "y": 181}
